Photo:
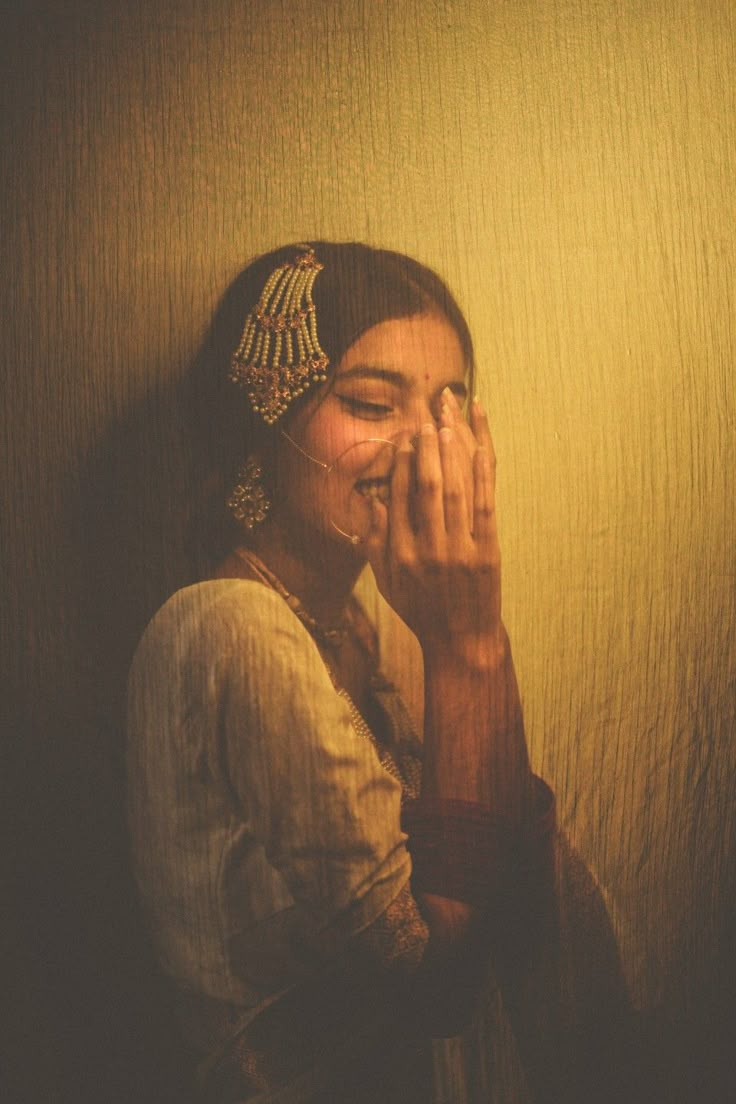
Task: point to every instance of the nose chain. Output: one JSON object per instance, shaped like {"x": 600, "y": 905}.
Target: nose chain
{"x": 353, "y": 538}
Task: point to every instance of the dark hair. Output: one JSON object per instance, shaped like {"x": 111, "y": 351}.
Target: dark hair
{"x": 358, "y": 287}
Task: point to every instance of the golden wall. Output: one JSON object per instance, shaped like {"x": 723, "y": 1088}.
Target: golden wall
{"x": 569, "y": 167}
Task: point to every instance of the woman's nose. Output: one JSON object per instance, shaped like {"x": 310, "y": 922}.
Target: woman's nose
{"x": 423, "y": 415}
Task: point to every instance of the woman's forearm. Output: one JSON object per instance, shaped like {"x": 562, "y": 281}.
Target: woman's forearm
{"x": 474, "y": 753}
{"x": 474, "y": 744}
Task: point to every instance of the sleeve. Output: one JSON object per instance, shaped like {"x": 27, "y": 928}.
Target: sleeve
{"x": 309, "y": 788}
{"x": 398, "y": 939}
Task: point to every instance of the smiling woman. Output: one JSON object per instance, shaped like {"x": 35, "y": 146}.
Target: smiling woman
{"x": 392, "y": 377}
{"x": 329, "y": 890}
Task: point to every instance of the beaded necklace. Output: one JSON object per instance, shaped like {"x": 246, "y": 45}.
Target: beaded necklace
{"x": 407, "y": 774}
{"x": 332, "y": 637}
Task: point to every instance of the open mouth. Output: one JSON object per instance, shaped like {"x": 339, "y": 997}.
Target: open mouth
{"x": 379, "y": 488}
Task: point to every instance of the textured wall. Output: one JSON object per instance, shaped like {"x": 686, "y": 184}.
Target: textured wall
{"x": 569, "y": 167}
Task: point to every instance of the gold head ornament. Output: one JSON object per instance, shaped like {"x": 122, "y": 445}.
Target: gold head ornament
{"x": 279, "y": 355}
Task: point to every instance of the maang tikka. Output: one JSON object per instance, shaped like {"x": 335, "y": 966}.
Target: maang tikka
{"x": 279, "y": 355}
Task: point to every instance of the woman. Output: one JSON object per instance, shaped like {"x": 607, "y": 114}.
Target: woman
{"x": 326, "y": 891}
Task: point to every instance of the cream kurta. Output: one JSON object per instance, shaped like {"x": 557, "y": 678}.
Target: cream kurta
{"x": 266, "y": 833}
{"x": 265, "y": 830}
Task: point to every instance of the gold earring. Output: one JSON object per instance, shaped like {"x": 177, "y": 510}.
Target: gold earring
{"x": 248, "y": 501}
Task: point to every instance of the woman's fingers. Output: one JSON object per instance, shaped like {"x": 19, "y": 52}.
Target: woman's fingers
{"x": 375, "y": 539}
{"x": 484, "y": 505}
{"x": 428, "y": 491}
{"x": 451, "y": 404}
{"x": 481, "y": 429}
{"x": 451, "y": 415}
{"x": 484, "y": 478}
{"x": 390, "y": 534}
{"x": 399, "y": 510}
{"x": 454, "y": 499}
{"x": 442, "y": 490}
{"x": 435, "y": 550}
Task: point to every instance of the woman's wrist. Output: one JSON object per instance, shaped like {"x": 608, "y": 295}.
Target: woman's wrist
{"x": 473, "y": 677}
{"x": 480, "y": 653}
{"x": 474, "y": 742}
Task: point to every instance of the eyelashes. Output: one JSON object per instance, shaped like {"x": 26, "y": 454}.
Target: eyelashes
{"x": 377, "y": 411}
{"x": 371, "y": 411}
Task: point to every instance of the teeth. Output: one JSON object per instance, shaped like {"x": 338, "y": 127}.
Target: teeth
{"x": 378, "y": 488}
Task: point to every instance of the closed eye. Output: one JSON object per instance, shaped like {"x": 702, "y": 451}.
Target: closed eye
{"x": 363, "y": 409}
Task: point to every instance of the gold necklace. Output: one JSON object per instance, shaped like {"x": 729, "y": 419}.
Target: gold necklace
{"x": 332, "y": 637}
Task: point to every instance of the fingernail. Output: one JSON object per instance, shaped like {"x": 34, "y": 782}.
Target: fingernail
{"x": 450, "y": 398}
{"x": 445, "y": 434}
{"x": 476, "y": 401}
{"x": 427, "y": 429}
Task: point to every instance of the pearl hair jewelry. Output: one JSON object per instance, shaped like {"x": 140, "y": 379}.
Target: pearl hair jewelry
{"x": 279, "y": 355}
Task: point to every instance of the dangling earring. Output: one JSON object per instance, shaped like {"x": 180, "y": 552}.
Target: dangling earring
{"x": 249, "y": 501}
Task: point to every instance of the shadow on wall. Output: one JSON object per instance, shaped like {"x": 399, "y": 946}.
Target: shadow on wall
{"x": 92, "y": 1016}
{"x": 138, "y": 510}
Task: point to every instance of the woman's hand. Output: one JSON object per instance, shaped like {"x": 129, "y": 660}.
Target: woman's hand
{"x": 434, "y": 550}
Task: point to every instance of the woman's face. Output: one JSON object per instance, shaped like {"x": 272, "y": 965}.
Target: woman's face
{"x": 387, "y": 385}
